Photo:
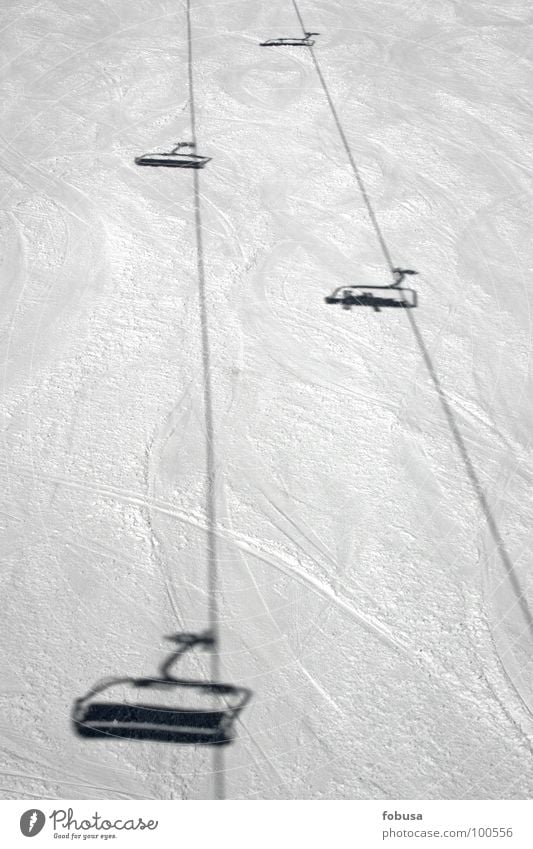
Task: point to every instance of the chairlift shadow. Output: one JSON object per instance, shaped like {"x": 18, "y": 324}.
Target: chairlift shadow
{"x": 398, "y": 296}
{"x": 174, "y": 159}
{"x": 185, "y": 711}
{"x": 305, "y": 41}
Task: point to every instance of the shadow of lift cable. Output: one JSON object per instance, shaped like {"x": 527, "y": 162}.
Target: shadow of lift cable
{"x": 521, "y": 601}
{"x": 117, "y": 707}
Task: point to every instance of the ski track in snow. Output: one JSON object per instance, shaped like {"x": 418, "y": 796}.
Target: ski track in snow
{"x": 362, "y": 595}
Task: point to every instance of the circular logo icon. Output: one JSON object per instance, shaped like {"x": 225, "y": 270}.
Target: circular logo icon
{"x": 32, "y": 822}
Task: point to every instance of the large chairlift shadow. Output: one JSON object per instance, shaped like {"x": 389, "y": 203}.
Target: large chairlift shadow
{"x": 395, "y": 295}
{"x": 165, "y": 708}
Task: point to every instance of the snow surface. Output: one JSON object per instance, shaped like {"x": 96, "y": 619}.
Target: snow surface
{"x": 372, "y": 471}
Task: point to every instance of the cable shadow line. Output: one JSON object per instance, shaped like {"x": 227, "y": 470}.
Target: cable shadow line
{"x": 474, "y": 479}
{"x": 454, "y": 429}
{"x": 345, "y": 143}
{"x": 219, "y": 791}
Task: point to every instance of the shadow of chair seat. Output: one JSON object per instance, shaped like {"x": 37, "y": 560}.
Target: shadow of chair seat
{"x": 151, "y": 722}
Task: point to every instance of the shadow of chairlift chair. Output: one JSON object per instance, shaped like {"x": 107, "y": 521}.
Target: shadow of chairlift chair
{"x": 174, "y": 159}
{"x": 165, "y": 708}
{"x": 305, "y": 41}
{"x": 397, "y": 296}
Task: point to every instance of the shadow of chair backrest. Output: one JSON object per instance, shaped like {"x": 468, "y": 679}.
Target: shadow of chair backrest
{"x": 165, "y": 708}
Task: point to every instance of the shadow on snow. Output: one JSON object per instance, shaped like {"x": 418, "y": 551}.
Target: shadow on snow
{"x": 394, "y": 295}
{"x": 164, "y": 708}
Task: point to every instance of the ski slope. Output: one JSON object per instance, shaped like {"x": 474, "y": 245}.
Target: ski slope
{"x": 190, "y": 432}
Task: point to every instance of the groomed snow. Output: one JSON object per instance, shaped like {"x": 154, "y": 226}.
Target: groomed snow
{"x": 373, "y": 471}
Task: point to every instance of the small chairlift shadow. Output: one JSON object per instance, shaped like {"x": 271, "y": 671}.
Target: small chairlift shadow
{"x": 166, "y": 708}
{"x": 174, "y": 159}
{"x": 397, "y": 296}
{"x": 306, "y": 41}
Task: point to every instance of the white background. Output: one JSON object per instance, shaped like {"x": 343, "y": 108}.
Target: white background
{"x": 267, "y": 824}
